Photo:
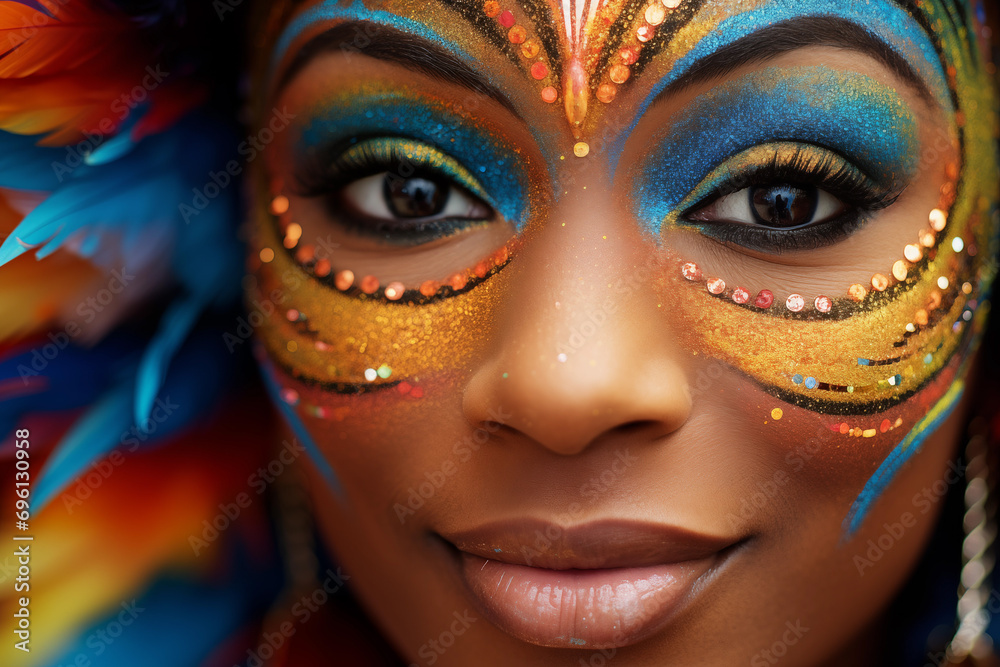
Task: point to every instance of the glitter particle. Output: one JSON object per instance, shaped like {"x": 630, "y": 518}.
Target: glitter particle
{"x": 880, "y": 282}
{"x": 581, "y": 149}
{"x": 765, "y": 298}
{"x": 795, "y": 303}
{"x": 777, "y": 414}
{"x": 899, "y": 270}
{"x": 691, "y": 271}
{"x": 371, "y": 374}
{"x": 279, "y": 205}
{"x": 384, "y": 371}
{"x": 967, "y": 288}
{"x": 549, "y": 94}
{"x": 291, "y": 346}
{"x": 562, "y": 357}
{"x": 716, "y": 285}
{"x": 655, "y": 14}
{"x": 343, "y": 280}
{"x": 824, "y": 304}
{"x": 517, "y": 35}
{"x": 957, "y": 244}
{"x": 293, "y": 315}
{"x": 539, "y": 70}
{"x": 394, "y": 290}
{"x": 943, "y": 282}
{"x": 290, "y": 396}
{"x": 741, "y": 296}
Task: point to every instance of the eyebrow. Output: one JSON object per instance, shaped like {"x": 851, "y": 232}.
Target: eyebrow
{"x": 395, "y": 46}
{"x": 798, "y": 33}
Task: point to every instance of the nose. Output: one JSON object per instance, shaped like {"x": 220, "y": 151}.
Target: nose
{"x": 582, "y": 348}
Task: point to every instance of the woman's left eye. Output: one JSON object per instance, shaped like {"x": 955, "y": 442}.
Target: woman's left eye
{"x": 779, "y": 206}
{"x": 389, "y": 197}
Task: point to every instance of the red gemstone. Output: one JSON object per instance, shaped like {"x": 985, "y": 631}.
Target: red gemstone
{"x": 764, "y": 299}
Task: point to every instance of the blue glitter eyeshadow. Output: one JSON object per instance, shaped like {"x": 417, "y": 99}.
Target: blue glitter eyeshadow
{"x": 847, "y": 113}
{"x": 393, "y": 114}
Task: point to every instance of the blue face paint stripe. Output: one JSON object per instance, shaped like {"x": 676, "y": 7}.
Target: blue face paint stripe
{"x": 904, "y": 451}
{"x": 883, "y": 19}
{"x": 300, "y": 431}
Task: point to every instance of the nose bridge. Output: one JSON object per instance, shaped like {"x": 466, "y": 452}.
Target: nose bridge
{"x": 581, "y": 346}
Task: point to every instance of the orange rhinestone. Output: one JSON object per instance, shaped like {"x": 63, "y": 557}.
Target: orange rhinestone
{"x": 457, "y": 281}
{"x": 530, "y": 48}
{"x": 491, "y": 8}
{"x": 927, "y": 239}
{"x": 394, "y": 290}
{"x": 429, "y": 288}
{"x": 629, "y": 55}
{"x": 539, "y": 70}
{"x": 880, "y": 282}
{"x": 857, "y": 292}
{"x": 606, "y": 93}
{"x": 921, "y": 317}
{"x": 322, "y": 268}
{"x": 619, "y": 73}
{"x": 899, "y": 270}
{"x": 655, "y": 14}
{"x": 938, "y": 220}
{"x": 517, "y": 35}
{"x": 913, "y": 253}
{"x": 369, "y": 284}
{"x": 343, "y": 280}
{"x": 305, "y": 254}
{"x": 645, "y": 33}
{"x": 549, "y": 94}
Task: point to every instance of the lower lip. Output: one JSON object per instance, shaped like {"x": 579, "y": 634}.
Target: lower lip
{"x": 581, "y": 608}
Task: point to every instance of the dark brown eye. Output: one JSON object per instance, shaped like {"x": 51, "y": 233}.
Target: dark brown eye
{"x": 416, "y": 197}
{"x": 784, "y": 206}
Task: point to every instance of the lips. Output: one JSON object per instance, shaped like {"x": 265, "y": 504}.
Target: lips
{"x": 597, "y": 585}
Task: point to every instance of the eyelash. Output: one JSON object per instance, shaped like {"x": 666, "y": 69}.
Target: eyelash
{"x": 326, "y": 171}
{"x": 862, "y": 195}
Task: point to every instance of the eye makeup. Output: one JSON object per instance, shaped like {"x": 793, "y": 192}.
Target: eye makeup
{"x": 454, "y": 142}
{"x": 859, "y": 123}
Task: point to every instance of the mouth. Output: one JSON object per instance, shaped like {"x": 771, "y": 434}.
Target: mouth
{"x": 603, "y": 584}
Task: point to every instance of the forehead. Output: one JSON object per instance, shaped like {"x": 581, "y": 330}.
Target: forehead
{"x": 580, "y": 56}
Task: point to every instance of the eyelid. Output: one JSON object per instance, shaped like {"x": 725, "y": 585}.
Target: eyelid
{"x": 770, "y": 161}
{"x": 376, "y": 154}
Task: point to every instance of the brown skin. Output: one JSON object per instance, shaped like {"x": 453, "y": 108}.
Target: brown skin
{"x": 700, "y": 453}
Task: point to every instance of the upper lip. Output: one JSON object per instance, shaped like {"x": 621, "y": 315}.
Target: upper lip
{"x": 594, "y": 545}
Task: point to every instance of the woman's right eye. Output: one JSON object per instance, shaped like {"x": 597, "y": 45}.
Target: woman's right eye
{"x": 422, "y": 198}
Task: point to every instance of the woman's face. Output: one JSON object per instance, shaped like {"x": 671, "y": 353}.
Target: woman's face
{"x": 625, "y": 328}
